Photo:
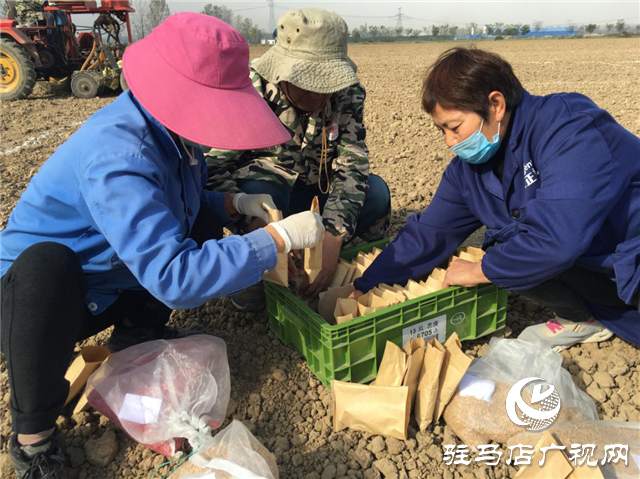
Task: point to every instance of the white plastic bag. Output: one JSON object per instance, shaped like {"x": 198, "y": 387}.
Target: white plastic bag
{"x": 233, "y": 453}
{"x": 477, "y": 412}
{"x": 161, "y": 391}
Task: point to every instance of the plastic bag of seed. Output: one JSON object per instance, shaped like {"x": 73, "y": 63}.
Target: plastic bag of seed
{"x": 477, "y": 412}
{"x": 162, "y": 392}
{"x": 233, "y": 453}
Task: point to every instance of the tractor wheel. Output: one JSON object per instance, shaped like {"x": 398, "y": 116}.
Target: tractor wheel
{"x": 123, "y": 82}
{"x": 86, "y": 85}
{"x": 18, "y": 72}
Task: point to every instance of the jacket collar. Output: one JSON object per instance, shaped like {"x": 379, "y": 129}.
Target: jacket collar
{"x": 519, "y": 122}
{"x": 159, "y": 131}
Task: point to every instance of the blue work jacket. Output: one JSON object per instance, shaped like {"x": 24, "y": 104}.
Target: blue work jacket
{"x": 569, "y": 194}
{"x": 121, "y": 194}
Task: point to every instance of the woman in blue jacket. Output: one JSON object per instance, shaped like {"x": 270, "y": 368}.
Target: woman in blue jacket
{"x": 117, "y": 229}
{"x": 556, "y": 181}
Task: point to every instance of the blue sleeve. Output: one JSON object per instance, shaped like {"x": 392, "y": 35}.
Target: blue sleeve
{"x": 216, "y": 201}
{"x": 125, "y": 197}
{"x": 580, "y": 182}
{"x": 426, "y": 240}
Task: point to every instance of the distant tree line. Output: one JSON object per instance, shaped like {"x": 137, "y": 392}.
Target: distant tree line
{"x": 150, "y": 13}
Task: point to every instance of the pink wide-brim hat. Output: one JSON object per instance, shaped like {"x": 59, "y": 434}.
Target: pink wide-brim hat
{"x": 191, "y": 73}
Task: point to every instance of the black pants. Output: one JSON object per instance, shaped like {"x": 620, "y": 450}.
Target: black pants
{"x": 568, "y": 293}
{"x": 44, "y": 314}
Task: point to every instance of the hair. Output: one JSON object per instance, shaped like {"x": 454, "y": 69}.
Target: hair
{"x": 462, "y": 79}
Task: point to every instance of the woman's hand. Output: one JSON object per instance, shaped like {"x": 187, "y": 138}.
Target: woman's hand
{"x": 330, "y": 253}
{"x": 464, "y": 273}
{"x": 356, "y": 294}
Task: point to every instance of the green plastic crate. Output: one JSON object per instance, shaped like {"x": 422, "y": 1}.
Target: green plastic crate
{"x": 352, "y": 351}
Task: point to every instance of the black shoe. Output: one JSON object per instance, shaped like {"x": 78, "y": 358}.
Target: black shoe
{"x": 43, "y": 460}
{"x": 123, "y": 337}
{"x": 251, "y": 299}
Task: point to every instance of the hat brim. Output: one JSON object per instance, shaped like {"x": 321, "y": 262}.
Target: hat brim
{"x": 318, "y": 76}
{"x": 227, "y": 119}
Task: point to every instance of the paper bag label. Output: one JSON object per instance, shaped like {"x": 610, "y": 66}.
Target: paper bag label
{"x": 432, "y": 328}
{"x": 140, "y": 409}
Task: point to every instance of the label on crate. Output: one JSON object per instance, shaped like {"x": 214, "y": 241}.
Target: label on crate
{"x": 432, "y": 328}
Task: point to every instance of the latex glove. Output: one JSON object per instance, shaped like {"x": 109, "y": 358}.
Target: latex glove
{"x": 303, "y": 230}
{"x": 254, "y": 205}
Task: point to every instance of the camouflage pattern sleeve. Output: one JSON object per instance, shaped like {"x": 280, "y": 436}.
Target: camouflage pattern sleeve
{"x": 221, "y": 167}
{"x": 350, "y": 168}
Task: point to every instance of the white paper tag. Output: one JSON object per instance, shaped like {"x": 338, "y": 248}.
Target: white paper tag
{"x": 140, "y": 409}
{"x": 432, "y": 328}
{"x": 476, "y": 387}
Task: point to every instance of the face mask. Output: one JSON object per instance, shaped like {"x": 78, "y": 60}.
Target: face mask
{"x": 476, "y": 149}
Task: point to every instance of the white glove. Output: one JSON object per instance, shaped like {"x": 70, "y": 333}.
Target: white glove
{"x": 303, "y": 230}
{"x": 254, "y": 205}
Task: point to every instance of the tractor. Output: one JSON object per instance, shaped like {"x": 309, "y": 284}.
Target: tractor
{"x": 55, "y": 50}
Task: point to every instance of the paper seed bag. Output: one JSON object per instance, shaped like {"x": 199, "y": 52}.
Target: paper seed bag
{"x": 439, "y": 274}
{"x": 313, "y": 256}
{"x": 477, "y": 252}
{"x": 370, "y": 303}
{"x": 416, "y": 288}
{"x": 90, "y": 358}
{"x": 454, "y": 366}
{"x": 346, "y": 310}
{"x": 392, "y": 367}
{"x": 328, "y": 299}
{"x": 350, "y": 269}
{"x": 380, "y": 410}
{"x": 375, "y": 252}
{"x": 340, "y": 275}
{"x": 415, "y": 355}
{"x": 467, "y": 257}
{"x": 433, "y": 284}
{"x": 428, "y": 384}
{"x": 279, "y": 274}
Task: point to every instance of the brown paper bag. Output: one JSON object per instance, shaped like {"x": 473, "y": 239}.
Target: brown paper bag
{"x": 452, "y": 259}
{"x": 82, "y": 405}
{"x": 454, "y": 366}
{"x": 370, "y": 303}
{"x": 364, "y": 259}
{"x": 328, "y": 299}
{"x": 379, "y": 410}
{"x": 340, "y": 275}
{"x": 90, "y": 358}
{"x": 391, "y": 296}
{"x": 556, "y": 464}
{"x": 313, "y": 256}
{"x": 375, "y": 252}
{"x": 358, "y": 270}
{"x": 586, "y": 472}
{"x": 350, "y": 269}
{"x": 429, "y": 383}
{"x": 439, "y": 274}
{"x": 477, "y": 252}
{"x": 393, "y": 366}
{"x": 416, "y": 288}
{"x": 467, "y": 256}
{"x": 415, "y": 355}
{"x": 279, "y": 274}
{"x": 433, "y": 284}
{"x": 346, "y": 310}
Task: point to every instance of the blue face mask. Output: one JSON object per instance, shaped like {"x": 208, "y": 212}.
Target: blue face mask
{"x": 476, "y": 149}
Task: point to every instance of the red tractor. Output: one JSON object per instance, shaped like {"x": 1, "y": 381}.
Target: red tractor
{"x": 56, "y": 51}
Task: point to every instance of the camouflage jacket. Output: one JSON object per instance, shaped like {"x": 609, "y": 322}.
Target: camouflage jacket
{"x": 297, "y": 162}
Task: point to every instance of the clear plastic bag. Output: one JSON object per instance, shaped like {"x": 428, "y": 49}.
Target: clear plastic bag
{"x": 600, "y": 434}
{"x": 477, "y": 412}
{"x": 233, "y": 453}
{"x": 162, "y": 391}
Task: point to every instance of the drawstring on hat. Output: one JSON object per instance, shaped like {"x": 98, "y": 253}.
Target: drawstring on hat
{"x": 323, "y": 157}
{"x": 192, "y": 157}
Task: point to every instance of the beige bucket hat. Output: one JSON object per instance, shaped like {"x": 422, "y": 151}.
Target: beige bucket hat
{"x": 310, "y": 52}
